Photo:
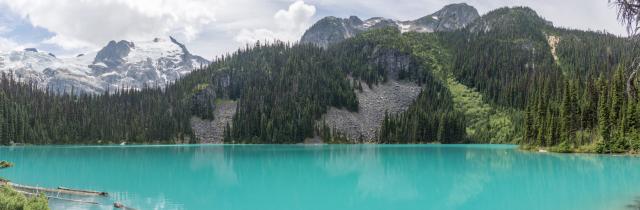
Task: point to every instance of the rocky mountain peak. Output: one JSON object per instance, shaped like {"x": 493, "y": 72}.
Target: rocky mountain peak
{"x": 30, "y": 50}
{"x": 114, "y": 53}
{"x": 355, "y": 20}
{"x": 509, "y": 18}
{"x": 331, "y": 29}
{"x": 454, "y": 16}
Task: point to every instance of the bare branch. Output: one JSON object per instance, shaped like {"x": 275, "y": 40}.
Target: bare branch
{"x": 628, "y": 14}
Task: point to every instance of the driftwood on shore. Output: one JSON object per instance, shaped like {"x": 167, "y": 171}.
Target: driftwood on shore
{"x": 62, "y": 194}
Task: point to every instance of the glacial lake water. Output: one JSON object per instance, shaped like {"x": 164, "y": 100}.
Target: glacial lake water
{"x": 329, "y": 177}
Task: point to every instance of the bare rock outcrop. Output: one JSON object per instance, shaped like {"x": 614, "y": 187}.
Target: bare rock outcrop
{"x": 212, "y": 131}
{"x": 392, "y": 97}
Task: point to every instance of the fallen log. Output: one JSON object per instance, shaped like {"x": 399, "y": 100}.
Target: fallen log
{"x": 84, "y": 191}
{"x": 55, "y": 191}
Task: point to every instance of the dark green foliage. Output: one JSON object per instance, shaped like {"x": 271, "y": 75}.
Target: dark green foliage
{"x": 31, "y": 116}
{"x": 284, "y": 90}
{"x": 503, "y": 55}
{"x": 430, "y": 119}
{"x": 593, "y": 107}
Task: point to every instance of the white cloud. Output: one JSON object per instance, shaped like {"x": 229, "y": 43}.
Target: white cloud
{"x": 289, "y": 25}
{"x": 68, "y": 43}
{"x": 296, "y": 18}
{"x": 214, "y": 27}
{"x": 7, "y": 45}
{"x": 4, "y": 29}
{"x": 98, "y": 21}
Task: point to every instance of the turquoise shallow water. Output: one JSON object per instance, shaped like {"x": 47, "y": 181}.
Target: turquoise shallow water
{"x": 367, "y": 177}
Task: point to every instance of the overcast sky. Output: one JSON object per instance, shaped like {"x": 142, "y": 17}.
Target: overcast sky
{"x": 214, "y": 27}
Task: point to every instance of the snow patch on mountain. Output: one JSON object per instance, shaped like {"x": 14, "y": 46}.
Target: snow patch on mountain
{"x": 119, "y": 65}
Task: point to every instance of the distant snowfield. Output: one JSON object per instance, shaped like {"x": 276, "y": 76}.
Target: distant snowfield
{"x": 155, "y": 62}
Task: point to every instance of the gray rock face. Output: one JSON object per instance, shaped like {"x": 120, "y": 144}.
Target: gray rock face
{"x": 212, "y": 131}
{"x": 451, "y": 17}
{"x": 114, "y": 53}
{"x": 187, "y": 58}
{"x": 331, "y": 30}
{"x": 393, "y": 61}
{"x": 393, "y": 97}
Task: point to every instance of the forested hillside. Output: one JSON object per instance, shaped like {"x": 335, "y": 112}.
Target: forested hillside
{"x": 572, "y": 85}
{"x": 508, "y": 77}
{"x": 32, "y": 116}
{"x": 281, "y": 88}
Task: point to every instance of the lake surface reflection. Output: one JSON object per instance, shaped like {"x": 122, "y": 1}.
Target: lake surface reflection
{"x": 310, "y": 177}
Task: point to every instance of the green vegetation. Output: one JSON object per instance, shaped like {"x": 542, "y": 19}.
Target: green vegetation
{"x": 577, "y": 103}
{"x": 484, "y": 121}
{"x": 31, "y": 116}
{"x": 431, "y": 118}
{"x": 12, "y": 200}
{"x": 281, "y": 90}
{"x": 445, "y": 106}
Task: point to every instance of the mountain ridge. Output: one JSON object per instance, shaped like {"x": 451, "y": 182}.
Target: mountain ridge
{"x": 330, "y": 30}
{"x": 118, "y": 65}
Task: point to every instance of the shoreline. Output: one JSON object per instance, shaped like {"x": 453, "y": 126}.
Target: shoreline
{"x": 527, "y": 148}
{"x": 579, "y": 150}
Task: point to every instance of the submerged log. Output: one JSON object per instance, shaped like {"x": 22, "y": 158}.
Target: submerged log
{"x": 56, "y": 191}
{"x": 84, "y": 191}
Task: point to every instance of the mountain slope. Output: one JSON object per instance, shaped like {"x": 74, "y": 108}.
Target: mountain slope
{"x": 495, "y": 81}
{"x": 331, "y": 30}
{"x": 118, "y": 65}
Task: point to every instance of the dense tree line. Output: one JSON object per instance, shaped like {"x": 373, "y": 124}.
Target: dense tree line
{"x": 30, "y": 115}
{"x": 282, "y": 90}
{"x": 571, "y": 85}
{"x": 503, "y": 54}
{"x": 430, "y": 119}
{"x": 599, "y": 117}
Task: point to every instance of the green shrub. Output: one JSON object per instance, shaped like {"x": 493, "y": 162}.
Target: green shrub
{"x": 562, "y": 148}
{"x": 13, "y": 200}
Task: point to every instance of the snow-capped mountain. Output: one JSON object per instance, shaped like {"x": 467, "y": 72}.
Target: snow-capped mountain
{"x": 330, "y": 30}
{"x": 119, "y": 65}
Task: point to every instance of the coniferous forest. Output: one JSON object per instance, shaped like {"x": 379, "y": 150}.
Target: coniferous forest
{"x": 542, "y": 86}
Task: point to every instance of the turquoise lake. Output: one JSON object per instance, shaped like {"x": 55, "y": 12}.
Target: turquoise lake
{"x": 330, "y": 177}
